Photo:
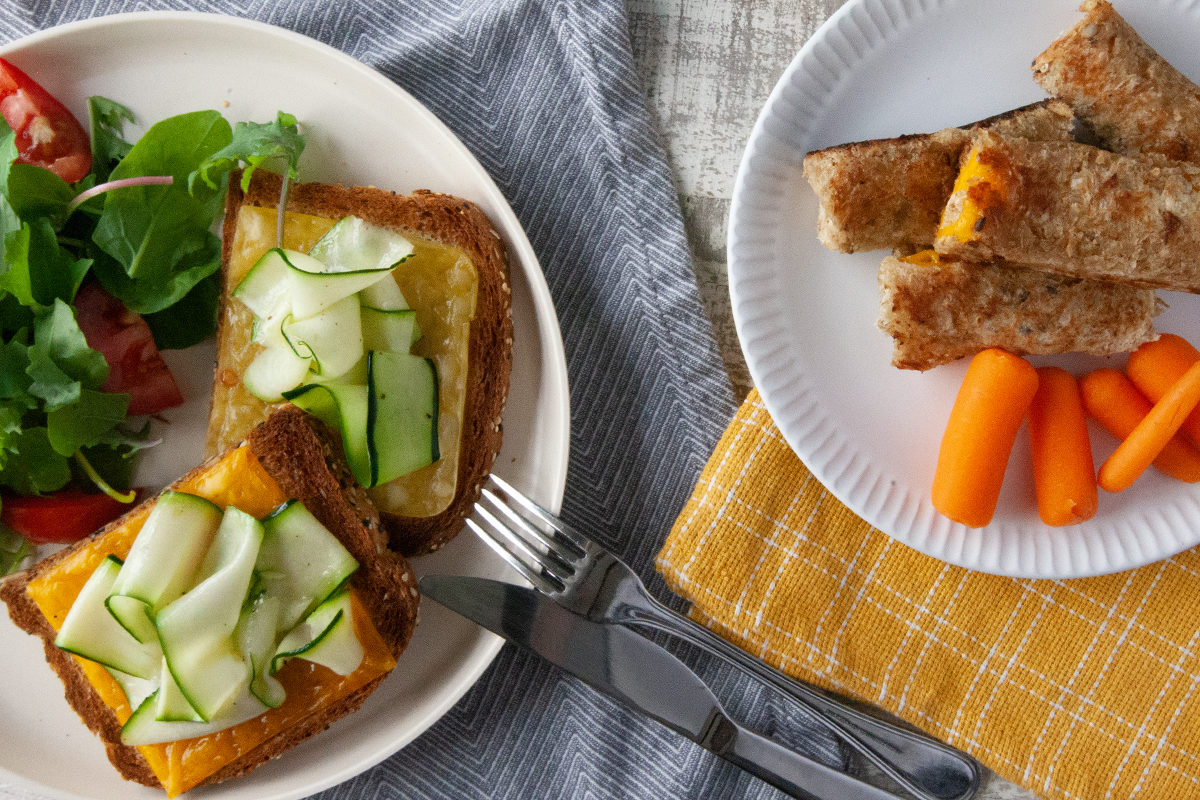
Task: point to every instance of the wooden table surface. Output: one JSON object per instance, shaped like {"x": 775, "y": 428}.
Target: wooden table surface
{"x": 707, "y": 67}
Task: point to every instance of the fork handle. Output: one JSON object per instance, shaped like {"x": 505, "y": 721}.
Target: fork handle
{"x": 787, "y": 770}
{"x": 926, "y": 767}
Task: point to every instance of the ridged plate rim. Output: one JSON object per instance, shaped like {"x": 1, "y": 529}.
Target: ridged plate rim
{"x": 872, "y": 70}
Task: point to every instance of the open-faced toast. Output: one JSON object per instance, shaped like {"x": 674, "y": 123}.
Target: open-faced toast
{"x": 291, "y": 456}
{"x": 457, "y": 282}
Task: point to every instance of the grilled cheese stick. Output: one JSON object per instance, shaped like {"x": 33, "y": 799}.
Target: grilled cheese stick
{"x": 1134, "y": 99}
{"x": 938, "y": 310}
{"x": 1076, "y": 210}
{"x": 889, "y": 193}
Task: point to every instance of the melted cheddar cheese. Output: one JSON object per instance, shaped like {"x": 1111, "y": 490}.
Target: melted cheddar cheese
{"x": 439, "y": 282}
{"x": 237, "y": 479}
{"x": 976, "y": 186}
{"x": 923, "y": 258}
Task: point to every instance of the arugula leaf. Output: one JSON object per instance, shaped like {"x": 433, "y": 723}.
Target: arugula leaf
{"x": 8, "y": 152}
{"x": 156, "y": 231}
{"x": 57, "y": 341}
{"x": 51, "y": 384}
{"x": 12, "y": 411}
{"x": 255, "y": 143}
{"x": 31, "y": 465}
{"x": 13, "y": 314}
{"x": 189, "y": 321}
{"x": 13, "y": 550}
{"x": 39, "y": 270}
{"x": 57, "y": 274}
{"x": 9, "y": 223}
{"x": 37, "y": 192}
{"x": 130, "y": 440}
{"x": 11, "y": 419}
{"x": 85, "y": 422}
{"x": 14, "y": 279}
{"x": 14, "y": 378}
{"x": 151, "y": 295}
{"x": 116, "y": 454}
{"x": 108, "y": 119}
{"x": 17, "y": 279}
{"x": 9, "y": 220}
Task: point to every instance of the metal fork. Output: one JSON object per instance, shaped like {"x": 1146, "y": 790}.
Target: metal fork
{"x": 588, "y": 580}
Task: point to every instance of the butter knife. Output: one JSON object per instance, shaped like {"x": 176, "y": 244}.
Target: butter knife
{"x": 634, "y": 670}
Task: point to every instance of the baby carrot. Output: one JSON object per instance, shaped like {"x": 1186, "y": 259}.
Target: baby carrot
{"x": 1156, "y": 365}
{"x": 1064, "y": 475}
{"x": 1147, "y": 440}
{"x": 1112, "y": 400}
{"x": 979, "y": 437}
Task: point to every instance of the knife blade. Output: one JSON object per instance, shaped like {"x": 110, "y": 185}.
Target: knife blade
{"x": 634, "y": 670}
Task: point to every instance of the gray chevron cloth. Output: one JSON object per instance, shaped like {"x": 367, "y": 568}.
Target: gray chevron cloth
{"x": 567, "y": 138}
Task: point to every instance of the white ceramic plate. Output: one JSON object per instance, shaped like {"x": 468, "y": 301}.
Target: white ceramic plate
{"x": 806, "y": 315}
{"x": 361, "y": 129}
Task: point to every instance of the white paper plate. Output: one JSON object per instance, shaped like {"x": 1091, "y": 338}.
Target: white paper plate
{"x": 806, "y": 315}
{"x": 361, "y": 129}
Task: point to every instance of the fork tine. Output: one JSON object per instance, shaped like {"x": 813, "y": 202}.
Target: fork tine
{"x": 577, "y": 539}
{"x": 542, "y": 582}
{"x": 549, "y": 560}
{"x": 563, "y": 550}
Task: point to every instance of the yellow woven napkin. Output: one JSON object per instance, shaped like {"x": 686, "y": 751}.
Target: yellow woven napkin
{"x": 1085, "y": 689}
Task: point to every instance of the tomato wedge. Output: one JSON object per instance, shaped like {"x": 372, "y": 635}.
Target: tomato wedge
{"x": 65, "y": 516}
{"x": 48, "y": 135}
{"x": 124, "y": 338}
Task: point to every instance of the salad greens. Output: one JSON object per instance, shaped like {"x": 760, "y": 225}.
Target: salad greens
{"x": 14, "y": 550}
{"x": 141, "y": 224}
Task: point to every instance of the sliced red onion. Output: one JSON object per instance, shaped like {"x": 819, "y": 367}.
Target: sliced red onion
{"x": 100, "y": 188}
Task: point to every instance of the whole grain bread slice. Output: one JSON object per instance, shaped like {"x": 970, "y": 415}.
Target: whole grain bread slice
{"x": 438, "y": 217}
{"x": 1130, "y": 95}
{"x": 304, "y": 458}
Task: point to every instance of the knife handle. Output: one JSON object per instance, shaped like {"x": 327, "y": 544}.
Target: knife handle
{"x": 786, "y": 770}
{"x": 924, "y": 766}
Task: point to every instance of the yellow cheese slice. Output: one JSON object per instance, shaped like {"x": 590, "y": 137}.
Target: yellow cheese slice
{"x": 239, "y": 480}
{"x": 441, "y": 285}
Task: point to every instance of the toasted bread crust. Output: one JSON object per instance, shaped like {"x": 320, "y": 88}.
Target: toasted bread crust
{"x": 889, "y": 193}
{"x": 78, "y": 691}
{"x": 939, "y": 313}
{"x": 452, "y": 221}
{"x": 1133, "y": 98}
{"x": 1052, "y": 198}
{"x": 303, "y": 456}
